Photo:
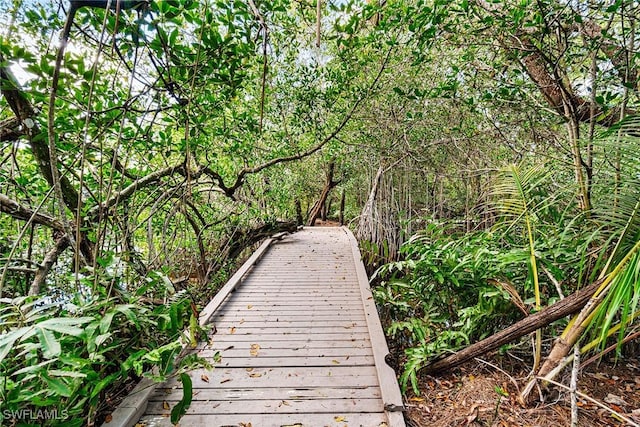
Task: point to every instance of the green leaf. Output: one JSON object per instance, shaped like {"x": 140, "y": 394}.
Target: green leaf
{"x": 105, "y": 322}
{"x": 129, "y": 314}
{"x": 187, "y": 393}
{"x": 49, "y": 344}
{"x": 100, "y": 339}
{"x": 70, "y": 374}
{"x": 65, "y": 325}
{"x": 58, "y": 386}
{"x": 7, "y": 340}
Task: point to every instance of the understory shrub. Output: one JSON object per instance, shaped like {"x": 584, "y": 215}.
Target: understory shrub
{"x": 58, "y": 358}
{"x": 452, "y": 288}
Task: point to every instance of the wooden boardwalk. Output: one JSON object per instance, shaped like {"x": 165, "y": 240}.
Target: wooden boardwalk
{"x": 300, "y": 341}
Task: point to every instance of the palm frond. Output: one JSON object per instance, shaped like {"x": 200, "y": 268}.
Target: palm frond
{"x": 617, "y": 189}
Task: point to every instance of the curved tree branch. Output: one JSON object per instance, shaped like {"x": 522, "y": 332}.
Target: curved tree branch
{"x": 229, "y": 191}
{"x": 24, "y": 213}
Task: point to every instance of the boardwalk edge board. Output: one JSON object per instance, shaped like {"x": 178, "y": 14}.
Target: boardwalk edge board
{"x": 391, "y": 396}
{"x": 132, "y": 407}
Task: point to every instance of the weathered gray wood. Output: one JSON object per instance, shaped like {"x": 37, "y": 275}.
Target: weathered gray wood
{"x": 280, "y": 393}
{"x": 280, "y": 406}
{"x": 265, "y": 362}
{"x": 388, "y": 382}
{"x": 296, "y": 344}
{"x": 222, "y": 324}
{"x": 309, "y": 301}
{"x": 338, "y": 376}
{"x": 284, "y": 344}
{"x": 290, "y": 352}
{"x": 300, "y": 338}
{"x": 238, "y": 328}
{"x": 335, "y": 310}
{"x": 279, "y": 420}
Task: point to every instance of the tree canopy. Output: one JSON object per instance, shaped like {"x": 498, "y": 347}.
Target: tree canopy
{"x": 146, "y": 146}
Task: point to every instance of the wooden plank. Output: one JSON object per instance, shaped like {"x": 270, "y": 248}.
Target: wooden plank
{"x": 289, "y": 295}
{"x": 243, "y": 380}
{"x": 289, "y": 352}
{"x": 299, "y": 300}
{"x": 279, "y": 373}
{"x": 317, "y": 393}
{"x": 223, "y": 346}
{"x": 275, "y": 420}
{"x": 388, "y": 382}
{"x": 260, "y": 361}
{"x": 319, "y": 304}
{"x": 336, "y": 310}
{"x": 266, "y": 319}
{"x": 344, "y": 315}
{"x": 280, "y": 406}
{"x": 223, "y": 324}
{"x": 261, "y": 291}
{"x": 239, "y": 328}
{"x": 301, "y": 338}
{"x": 304, "y": 297}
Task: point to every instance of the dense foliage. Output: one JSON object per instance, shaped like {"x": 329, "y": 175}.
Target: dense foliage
{"x": 487, "y": 153}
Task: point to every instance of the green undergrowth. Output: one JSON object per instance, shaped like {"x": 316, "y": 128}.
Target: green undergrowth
{"x": 453, "y": 288}
{"x": 62, "y": 362}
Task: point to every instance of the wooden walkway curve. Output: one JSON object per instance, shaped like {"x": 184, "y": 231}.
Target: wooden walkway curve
{"x": 300, "y": 341}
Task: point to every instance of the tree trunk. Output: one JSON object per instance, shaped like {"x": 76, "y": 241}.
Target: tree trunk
{"x": 366, "y": 226}
{"x": 342, "y": 199}
{"x": 299, "y": 219}
{"x": 570, "y": 305}
{"x": 316, "y": 211}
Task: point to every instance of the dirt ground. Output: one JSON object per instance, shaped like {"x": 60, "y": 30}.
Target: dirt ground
{"x": 479, "y": 394}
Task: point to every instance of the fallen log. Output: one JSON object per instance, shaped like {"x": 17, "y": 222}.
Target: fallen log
{"x": 568, "y": 306}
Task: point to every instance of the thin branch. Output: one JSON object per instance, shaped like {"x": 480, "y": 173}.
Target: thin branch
{"x": 594, "y": 401}
{"x": 127, "y": 192}
{"x": 246, "y": 171}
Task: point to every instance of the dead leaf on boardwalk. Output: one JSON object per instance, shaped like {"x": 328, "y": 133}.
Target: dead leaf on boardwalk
{"x": 165, "y": 405}
{"x": 292, "y": 425}
{"x": 241, "y": 321}
{"x": 245, "y": 424}
{"x": 255, "y": 375}
{"x": 335, "y": 362}
{"x": 254, "y": 349}
{"x": 285, "y": 403}
{"x": 141, "y": 425}
{"x": 232, "y": 330}
{"x": 249, "y": 307}
{"x": 226, "y": 380}
{"x": 383, "y": 424}
{"x": 204, "y": 378}
{"x": 340, "y": 419}
{"x": 108, "y": 418}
